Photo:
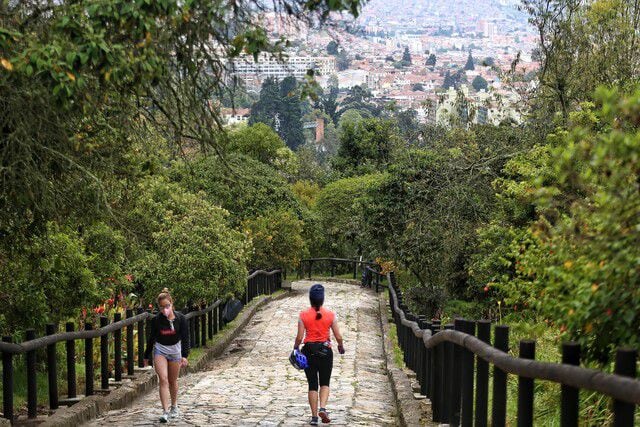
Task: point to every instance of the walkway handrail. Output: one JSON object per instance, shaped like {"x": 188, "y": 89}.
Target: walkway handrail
{"x": 42, "y": 342}
{"x": 619, "y": 387}
{"x": 204, "y": 323}
{"x": 444, "y": 364}
{"x": 371, "y": 277}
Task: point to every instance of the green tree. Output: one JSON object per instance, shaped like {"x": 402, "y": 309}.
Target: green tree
{"x": 243, "y": 186}
{"x": 290, "y": 128}
{"x": 277, "y": 240}
{"x": 430, "y": 205}
{"x": 470, "y": 63}
{"x": 575, "y": 261}
{"x": 488, "y": 62}
{"x": 258, "y": 141}
{"x": 575, "y": 35}
{"x": 279, "y": 107}
{"x": 267, "y": 108}
{"x": 366, "y": 146}
{"x": 189, "y": 246}
{"x": 479, "y": 83}
{"x": 342, "y": 61}
{"x": 406, "y": 57}
{"x": 340, "y": 211}
{"x": 431, "y": 60}
{"x": 332, "y": 48}
{"x": 46, "y": 279}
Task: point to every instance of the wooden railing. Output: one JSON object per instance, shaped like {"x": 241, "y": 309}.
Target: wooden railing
{"x": 452, "y": 361}
{"x": 371, "y": 278}
{"x": 204, "y": 323}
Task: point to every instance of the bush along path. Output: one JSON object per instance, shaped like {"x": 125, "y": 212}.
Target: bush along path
{"x": 252, "y": 383}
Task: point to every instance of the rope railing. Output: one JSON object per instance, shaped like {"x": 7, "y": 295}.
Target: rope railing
{"x": 204, "y": 322}
{"x": 448, "y": 358}
{"x": 371, "y": 276}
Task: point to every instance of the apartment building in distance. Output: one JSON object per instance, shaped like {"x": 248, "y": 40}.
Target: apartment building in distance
{"x": 255, "y": 72}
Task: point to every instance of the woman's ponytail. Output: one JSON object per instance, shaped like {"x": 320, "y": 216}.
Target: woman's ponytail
{"x": 316, "y": 298}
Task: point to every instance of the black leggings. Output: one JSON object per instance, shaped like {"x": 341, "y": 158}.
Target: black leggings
{"x": 319, "y": 370}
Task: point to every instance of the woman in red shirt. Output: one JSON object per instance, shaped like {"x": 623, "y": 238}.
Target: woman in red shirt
{"x": 314, "y": 327}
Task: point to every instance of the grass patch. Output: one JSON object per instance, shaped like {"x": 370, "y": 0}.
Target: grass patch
{"x": 398, "y": 355}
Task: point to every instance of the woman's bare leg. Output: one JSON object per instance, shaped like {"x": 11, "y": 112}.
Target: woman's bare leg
{"x": 160, "y": 365}
{"x": 324, "y": 396}
{"x": 174, "y": 372}
{"x": 313, "y": 402}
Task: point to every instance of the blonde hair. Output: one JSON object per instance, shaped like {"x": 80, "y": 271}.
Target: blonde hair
{"x": 164, "y": 295}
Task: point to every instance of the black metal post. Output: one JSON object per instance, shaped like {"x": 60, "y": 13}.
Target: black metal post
{"x": 447, "y": 378}
{"x": 355, "y": 270}
{"x": 7, "y": 382}
{"x": 333, "y": 268}
{"x": 220, "y": 319}
{"x": 210, "y": 323}
{"x": 196, "y": 330}
{"x": 104, "y": 355}
{"x": 570, "y": 395}
{"x": 456, "y": 380}
{"x": 117, "y": 349}
{"x": 52, "y": 368}
{"x": 436, "y": 381}
{"x": 310, "y": 268}
{"x": 203, "y": 325}
{"x": 626, "y": 366}
{"x": 88, "y": 362}
{"x": 435, "y": 327}
{"x": 130, "y": 351}
{"x": 466, "y": 411}
{"x": 214, "y": 314}
{"x": 499, "y": 404}
{"x": 525, "y": 387}
{"x": 426, "y": 364}
{"x": 482, "y": 377}
{"x": 71, "y": 363}
{"x": 32, "y": 385}
{"x": 140, "y": 341}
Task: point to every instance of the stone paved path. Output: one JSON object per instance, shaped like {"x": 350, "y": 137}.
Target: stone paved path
{"x": 252, "y": 383}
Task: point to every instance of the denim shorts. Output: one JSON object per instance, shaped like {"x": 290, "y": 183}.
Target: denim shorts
{"x": 171, "y": 357}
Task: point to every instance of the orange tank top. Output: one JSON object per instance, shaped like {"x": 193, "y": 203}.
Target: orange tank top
{"x": 317, "y": 330}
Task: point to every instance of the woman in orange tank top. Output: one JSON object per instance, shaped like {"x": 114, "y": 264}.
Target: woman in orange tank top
{"x": 314, "y": 326}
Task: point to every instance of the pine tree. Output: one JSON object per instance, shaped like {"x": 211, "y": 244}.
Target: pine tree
{"x": 406, "y": 57}
{"x": 448, "y": 81}
{"x": 431, "y": 60}
{"x": 469, "y": 65}
{"x": 268, "y": 105}
{"x": 290, "y": 129}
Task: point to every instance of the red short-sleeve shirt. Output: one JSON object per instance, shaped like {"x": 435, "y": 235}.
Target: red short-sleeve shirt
{"x": 317, "y": 330}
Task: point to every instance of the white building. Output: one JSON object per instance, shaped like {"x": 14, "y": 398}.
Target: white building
{"x": 297, "y": 66}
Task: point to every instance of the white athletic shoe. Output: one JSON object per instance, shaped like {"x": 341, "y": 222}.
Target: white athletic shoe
{"x": 174, "y": 412}
{"x": 165, "y": 417}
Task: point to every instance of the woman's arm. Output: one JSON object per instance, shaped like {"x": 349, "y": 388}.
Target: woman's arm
{"x": 300, "y": 335}
{"x": 184, "y": 336}
{"x": 338, "y": 335}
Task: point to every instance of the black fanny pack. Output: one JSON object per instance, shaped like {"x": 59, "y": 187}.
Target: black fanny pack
{"x": 319, "y": 349}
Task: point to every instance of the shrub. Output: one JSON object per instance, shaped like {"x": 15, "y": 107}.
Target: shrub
{"x": 190, "y": 247}
{"x": 277, "y": 240}
{"x": 340, "y": 208}
{"x": 243, "y": 186}
{"x": 47, "y": 279}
